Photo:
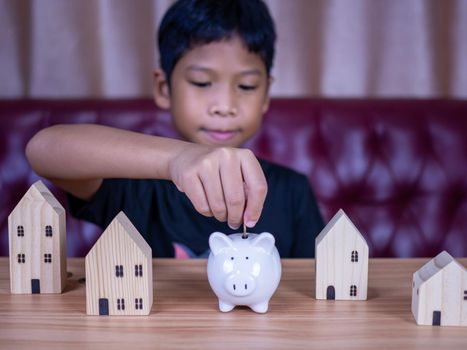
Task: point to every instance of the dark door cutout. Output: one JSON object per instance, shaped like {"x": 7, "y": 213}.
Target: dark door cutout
{"x": 103, "y": 306}
{"x": 436, "y": 318}
{"x": 35, "y": 286}
{"x": 331, "y": 293}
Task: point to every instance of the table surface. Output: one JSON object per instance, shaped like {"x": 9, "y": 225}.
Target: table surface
{"x": 185, "y": 314}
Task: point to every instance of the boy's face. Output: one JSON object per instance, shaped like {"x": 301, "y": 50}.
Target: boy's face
{"x": 218, "y": 95}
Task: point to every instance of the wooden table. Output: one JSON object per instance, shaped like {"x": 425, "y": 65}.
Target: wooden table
{"x": 185, "y": 314}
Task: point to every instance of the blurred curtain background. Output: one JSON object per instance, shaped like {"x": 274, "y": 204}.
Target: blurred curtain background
{"x": 327, "y": 48}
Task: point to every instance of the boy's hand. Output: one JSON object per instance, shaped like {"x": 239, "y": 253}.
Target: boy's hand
{"x": 219, "y": 181}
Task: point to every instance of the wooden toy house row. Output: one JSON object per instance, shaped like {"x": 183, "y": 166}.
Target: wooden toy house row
{"x": 439, "y": 292}
{"x": 37, "y": 241}
{"x": 118, "y": 267}
{"x": 341, "y": 261}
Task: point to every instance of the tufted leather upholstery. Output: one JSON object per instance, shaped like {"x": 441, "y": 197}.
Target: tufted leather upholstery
{"x": 397, "y": 167}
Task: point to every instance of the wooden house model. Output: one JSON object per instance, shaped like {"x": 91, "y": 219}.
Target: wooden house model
{"x": 37, "y": 241}
{"x": 439, "y": 292}
{"x": 341, "y": 261}
{"x": 119, "y": 272}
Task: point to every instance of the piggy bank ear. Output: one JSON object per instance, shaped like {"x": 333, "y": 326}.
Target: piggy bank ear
{"x": 264, "y": 241}
{"x": 219, "y": 241}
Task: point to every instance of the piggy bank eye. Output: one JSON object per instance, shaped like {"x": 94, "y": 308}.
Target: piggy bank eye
{"x": 246, "y": 258}
{"x": 231, "y": 258}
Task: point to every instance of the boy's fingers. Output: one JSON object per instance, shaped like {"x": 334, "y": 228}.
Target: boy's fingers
{"x": 256, "y": 190}
{"x": 232, "y": 185}
{"x": 214, "y": 194}
{"x": 195, "y": 192}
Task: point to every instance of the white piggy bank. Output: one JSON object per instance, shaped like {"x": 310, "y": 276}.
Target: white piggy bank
{"x": 243, "y": 271}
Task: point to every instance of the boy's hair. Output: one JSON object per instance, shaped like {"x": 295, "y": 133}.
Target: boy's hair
{"x": 189, "y": 23}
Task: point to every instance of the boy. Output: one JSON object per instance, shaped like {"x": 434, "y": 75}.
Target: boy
{"x": 216, "y": 58}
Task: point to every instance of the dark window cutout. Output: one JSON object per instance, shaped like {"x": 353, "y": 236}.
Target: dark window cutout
{"x": 139, "y": 270}
{"x": 353, "y": 290}
{"x": 139, "y": 303}
{"x": 48, "y": 231}
{"x": 120, "y": 304}
{"x": 354, "y": 257}
{"x": 119, "y": 270}
{"x": 48, "y": 258}
{"x": 21, "y": 258}
{"x": 20, "y": 230}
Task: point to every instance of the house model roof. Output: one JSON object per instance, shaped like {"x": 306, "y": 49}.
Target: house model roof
{"x": 122, "y": 220}
{"x": 339, "y": 218}
{"x": 39, "y": 192}
{"x": 435, "y": 265}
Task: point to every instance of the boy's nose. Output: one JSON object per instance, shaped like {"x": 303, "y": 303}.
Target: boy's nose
{"x": 223, "y": 111}
{"x": 223, "y": 103}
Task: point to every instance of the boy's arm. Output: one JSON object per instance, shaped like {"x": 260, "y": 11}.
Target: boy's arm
{"x": 218, "y": 181}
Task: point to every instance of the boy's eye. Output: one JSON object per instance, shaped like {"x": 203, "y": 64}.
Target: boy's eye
{"x": 247, "y": 87}
{"x": 201, "y": 84}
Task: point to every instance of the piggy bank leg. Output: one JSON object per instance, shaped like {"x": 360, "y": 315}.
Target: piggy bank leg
{"x": 260, "y": 308}
{"x": 225, "y": 307}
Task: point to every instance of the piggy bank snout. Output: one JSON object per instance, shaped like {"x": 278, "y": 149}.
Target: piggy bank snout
{"x": 239, "y": 285}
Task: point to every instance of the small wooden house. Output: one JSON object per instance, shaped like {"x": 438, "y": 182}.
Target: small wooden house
{"x": 439, "y": 292}
{"x": 341, "y": 261}
{"x": 37, "y": 240}
{"x": 119, "y": 272}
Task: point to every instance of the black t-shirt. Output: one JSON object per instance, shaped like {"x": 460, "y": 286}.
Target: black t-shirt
{"x": 164, "y": 216}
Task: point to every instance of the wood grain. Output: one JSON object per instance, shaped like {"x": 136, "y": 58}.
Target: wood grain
{"x": 185, "y": 314}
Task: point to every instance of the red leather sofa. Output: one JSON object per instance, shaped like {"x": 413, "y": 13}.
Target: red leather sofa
{"x": 397, "y": 167}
